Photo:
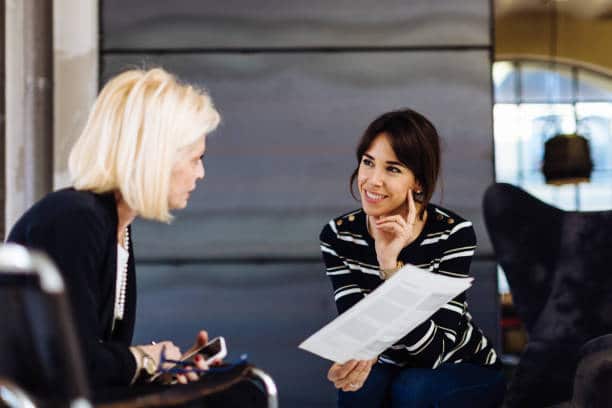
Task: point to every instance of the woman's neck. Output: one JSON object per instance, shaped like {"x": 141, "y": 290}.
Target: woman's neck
{"x": 125, "y": 215}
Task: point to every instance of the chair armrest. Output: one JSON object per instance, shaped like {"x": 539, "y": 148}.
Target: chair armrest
{"x": 157, "y": 395}
{"x": 268, "y": 384}
{"x": 593, "y": 379}
{"x": 12, "y": 396}
{"x": 596, "y": 344}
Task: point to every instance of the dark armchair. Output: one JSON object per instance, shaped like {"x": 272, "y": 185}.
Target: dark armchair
{"x": 559, "y": 267}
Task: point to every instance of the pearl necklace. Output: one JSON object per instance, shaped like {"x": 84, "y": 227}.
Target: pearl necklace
{"x": 122, "y": 280}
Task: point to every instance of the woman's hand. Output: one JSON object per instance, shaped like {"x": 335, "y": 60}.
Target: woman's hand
{"x": 198, "y": 360}
{"x": 351, "y": 375}
{"x": 393, "y": 233}
{"x": 172, "y": 352}
{"x": 154, "y": 350}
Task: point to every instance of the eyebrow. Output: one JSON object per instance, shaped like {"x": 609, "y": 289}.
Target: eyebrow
{"x": 394, "y": 163}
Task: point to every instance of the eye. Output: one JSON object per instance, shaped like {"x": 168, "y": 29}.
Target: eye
{"x": 367, "y": 162}
{"x": 393, "y": 169}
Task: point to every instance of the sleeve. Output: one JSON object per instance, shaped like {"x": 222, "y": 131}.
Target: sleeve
{"x": 436, "y": 339}
{"x": 76, "y": 243}
{"x": 345, "y": 283}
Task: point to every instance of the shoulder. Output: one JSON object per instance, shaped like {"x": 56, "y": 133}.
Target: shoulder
{"x": 76, "y": 203}
{"x": 445, "y": 224}
{"x": 350, "y": 224}
{"x": 68, "y": 209}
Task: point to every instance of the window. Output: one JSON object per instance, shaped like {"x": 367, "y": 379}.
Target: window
{"x": 533, "y": 102}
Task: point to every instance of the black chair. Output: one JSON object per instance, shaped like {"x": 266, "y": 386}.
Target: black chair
{"x": 40, "y": 358}
{"x": 559, "y": 267}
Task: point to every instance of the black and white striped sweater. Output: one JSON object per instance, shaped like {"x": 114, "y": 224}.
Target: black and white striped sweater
{"x": 445, "y": 246}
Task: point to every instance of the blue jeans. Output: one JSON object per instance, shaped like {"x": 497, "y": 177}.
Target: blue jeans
{"x": 450, "y": 385}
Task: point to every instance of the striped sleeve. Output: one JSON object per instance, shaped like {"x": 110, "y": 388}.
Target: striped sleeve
{"x": 344, "y": 281}
{"x": 439, "y": 338}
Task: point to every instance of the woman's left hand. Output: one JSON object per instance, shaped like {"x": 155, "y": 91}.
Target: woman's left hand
{"x": 351, "y": 375}
{"x": 393, "y": 233}
{"x": 198, "y": 360}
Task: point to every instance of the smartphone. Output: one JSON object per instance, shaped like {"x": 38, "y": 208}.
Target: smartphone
{"x": 215, "y": 349}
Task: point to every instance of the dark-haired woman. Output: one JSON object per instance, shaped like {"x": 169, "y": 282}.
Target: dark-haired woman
{"x": 446, "y": 361}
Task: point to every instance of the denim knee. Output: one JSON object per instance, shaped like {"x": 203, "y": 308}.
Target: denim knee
{"x": 413, "y": 388}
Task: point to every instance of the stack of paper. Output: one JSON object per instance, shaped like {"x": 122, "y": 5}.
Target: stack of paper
{"x": 386, "y": 315}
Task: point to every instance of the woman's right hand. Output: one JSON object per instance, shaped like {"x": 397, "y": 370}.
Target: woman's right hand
{"x": 392, "y": 233}
{"x": 154, "y": 350}
{"x": 351, "y": 375}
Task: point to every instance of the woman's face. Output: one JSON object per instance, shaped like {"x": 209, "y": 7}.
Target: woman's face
{"x": 383, "y": 180}
{"x": 186, "y": 171}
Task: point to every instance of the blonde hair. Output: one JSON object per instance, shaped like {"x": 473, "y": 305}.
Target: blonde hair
{"x": 135, "y": 130}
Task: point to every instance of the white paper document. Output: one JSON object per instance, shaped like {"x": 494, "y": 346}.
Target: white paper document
{"x": 386, "y": 315}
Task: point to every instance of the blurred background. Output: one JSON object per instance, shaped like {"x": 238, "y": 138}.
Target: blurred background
{"x": 296, "y": 84}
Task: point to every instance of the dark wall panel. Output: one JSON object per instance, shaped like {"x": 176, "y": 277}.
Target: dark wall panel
{"x": 164, "y": 24}
{"x": 278, "y": 167}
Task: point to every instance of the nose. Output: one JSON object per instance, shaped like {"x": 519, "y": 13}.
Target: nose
{"x": 376, "y": 177}
{"x": 200, "y": 172}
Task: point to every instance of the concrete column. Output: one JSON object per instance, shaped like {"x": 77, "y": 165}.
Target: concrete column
{"x": 2, "y": 114}
{"x": 46, "y": 43}
{"x": 76, "y": 77}
{"x": 29, "y": 98}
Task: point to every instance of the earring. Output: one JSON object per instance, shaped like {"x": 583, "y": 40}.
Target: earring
{"x": 419, "y": 195}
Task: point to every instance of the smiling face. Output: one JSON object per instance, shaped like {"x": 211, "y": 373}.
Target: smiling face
{"x": 383, "y": 180}
{"x": 185, "y": 173}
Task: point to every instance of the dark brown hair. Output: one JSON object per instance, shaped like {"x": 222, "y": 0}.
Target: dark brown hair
{"x": 415, "y": 142}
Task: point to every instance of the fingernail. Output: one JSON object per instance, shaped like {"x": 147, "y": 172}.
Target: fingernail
{"x": 198, "y": 358}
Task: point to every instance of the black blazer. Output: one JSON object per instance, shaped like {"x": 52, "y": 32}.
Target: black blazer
{"x": 78, "y": 230}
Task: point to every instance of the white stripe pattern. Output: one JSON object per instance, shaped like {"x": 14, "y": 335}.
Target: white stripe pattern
{"x": 466, "y": 337}
{"x": 445, "y": 236}
{"x": 343, "y": 271}
{"x": 346, "y": 292}
{"x": 453, "y": 308}
{"x": 457, "y": 255}
{"x": 460, "y": 275}
{"x": 373, "y": 270}
{"x": 328, "y": 250}
{"x": 418, "y": 344}
{"x": 332, "y": 224}
{"x": 349, "y": 238}
{"x": 388, "y": 361}
{"x": 491, "y": 357}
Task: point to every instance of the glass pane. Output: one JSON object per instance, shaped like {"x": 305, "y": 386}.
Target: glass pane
{"x": 596, "y": 125}
{"x": 543, "y": 83}
{"x": 538, "y": 124}
{"x": 594, "y": 87}
{"x": 504, "y": 81}
{"x": 597, "y": 195}
{"x": 563, "y": 197}
{"x": 520, "y": 132}
{"x": 506, "y": 130}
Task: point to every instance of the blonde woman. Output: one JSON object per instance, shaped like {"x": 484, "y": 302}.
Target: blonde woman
{"x": 140, "y": 155}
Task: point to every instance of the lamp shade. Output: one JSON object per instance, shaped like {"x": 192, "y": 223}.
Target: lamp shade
{"x": 567, "y": 160}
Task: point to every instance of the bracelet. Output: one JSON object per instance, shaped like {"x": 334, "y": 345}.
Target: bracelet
{"x": 387, "y": 273}
{"x": 145, "y": 364}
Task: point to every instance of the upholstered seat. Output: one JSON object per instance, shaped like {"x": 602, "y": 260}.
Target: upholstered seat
{"x": 559, "y": 267}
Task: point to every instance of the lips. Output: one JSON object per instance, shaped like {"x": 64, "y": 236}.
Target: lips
{"x": 372, "y": 197}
